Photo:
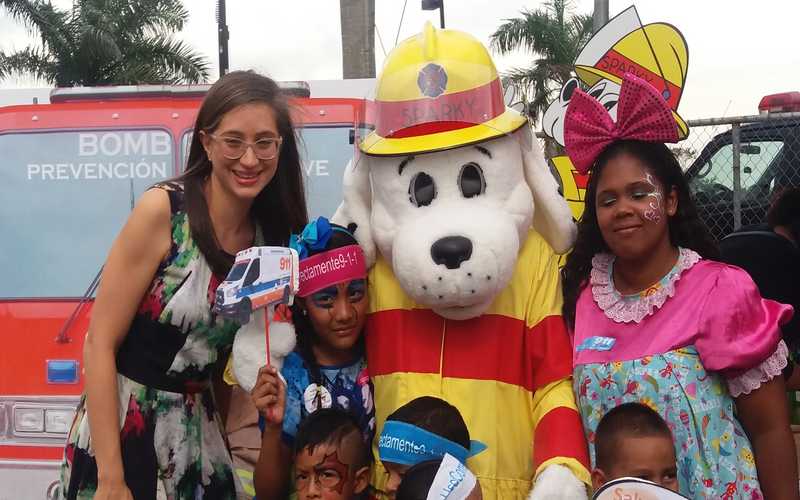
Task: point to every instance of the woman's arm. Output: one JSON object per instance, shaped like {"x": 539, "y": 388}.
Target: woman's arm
{"x": 271, "y": 475}
{"x": 765, "y": 418}
{"x": 132, "y": 262}
{"x": 793, "y": 382}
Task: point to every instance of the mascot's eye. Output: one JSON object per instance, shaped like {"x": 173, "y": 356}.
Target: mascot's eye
{"x": 597, "y": 92}
{"x": 568, "y": 89}
{"x": 471, "y": 181}
{"x": 610, "y": 104}
{"x": 422, "y": 189}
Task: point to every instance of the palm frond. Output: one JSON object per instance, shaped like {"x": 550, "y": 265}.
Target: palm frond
{"x": 536, "y": 84}
{"x": 150, "y": 18}
{"x": 172, "y": 59}
{"x": 554, "y": 35}
{"x": 25, "y": 11}
{"x": 100, "y": 42}
{"x": 30, "y": 61}
{"x": 528, "y": 32}
{"x": 56, "y": 29}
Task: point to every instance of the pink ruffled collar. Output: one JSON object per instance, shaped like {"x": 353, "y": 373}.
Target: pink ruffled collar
{"x": 634, "y": 308}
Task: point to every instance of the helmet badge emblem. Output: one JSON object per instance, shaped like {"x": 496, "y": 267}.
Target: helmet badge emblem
{"x": 432, "y": 80}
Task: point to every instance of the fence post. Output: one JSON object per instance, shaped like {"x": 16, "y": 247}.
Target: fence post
{"x": 737, "y": 178}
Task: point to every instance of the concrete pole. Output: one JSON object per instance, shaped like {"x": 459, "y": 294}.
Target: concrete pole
{"x": 600, "y": 16}
{"x": 358, "y": 38}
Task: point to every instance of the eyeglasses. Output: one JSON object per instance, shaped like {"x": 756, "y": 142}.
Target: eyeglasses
{"x": 326, "y": 478}
{"x": 234, "y": 148}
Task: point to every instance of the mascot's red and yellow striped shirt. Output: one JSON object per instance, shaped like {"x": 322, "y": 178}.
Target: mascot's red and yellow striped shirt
{"x": 507, "y": 371}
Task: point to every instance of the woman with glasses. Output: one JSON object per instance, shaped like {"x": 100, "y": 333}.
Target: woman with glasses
{"x": 147, "y": 426}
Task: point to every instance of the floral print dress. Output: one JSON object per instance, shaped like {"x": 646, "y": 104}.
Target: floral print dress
{"x": 171, "y": 435}
{"x": 685, "y": 347}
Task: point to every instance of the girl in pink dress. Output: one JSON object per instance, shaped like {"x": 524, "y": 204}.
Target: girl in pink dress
{"x": 653, "y": 321}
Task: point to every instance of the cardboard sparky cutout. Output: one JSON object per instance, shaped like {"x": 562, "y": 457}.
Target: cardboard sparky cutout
{"x": 655, "y": 52}
{"x": 260, "y": 279}
{"x": 452, "y": 198}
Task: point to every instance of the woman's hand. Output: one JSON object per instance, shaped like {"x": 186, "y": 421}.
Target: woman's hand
{"x": 269, "y": 396}
{"x": 113, "y": 490}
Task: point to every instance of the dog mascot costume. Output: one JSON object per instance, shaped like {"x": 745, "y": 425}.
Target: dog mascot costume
{"x": 453, "y": 201}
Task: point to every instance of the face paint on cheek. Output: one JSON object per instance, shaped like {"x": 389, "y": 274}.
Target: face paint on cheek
{"x": 654, "y": 210}
{"x": 332, "y": 462}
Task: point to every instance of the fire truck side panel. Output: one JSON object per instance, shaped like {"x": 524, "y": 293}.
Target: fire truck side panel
{"x": 35, "y": 326}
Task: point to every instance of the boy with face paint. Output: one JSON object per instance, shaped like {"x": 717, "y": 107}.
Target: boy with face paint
{"x": 331, "y": 459}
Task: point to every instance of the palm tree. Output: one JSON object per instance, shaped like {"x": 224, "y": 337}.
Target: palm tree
{"x": 556, "y": 36}
{"x": 104, "y": 42}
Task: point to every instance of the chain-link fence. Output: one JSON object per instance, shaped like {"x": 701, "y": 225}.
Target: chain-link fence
{"x": 735, "y": 168}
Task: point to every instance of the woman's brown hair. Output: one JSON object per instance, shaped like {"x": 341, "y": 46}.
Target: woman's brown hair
{"x": 280, "y": 208}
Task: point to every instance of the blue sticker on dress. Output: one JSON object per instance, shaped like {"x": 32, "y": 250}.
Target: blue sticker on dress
{"x": 597, "y": 344}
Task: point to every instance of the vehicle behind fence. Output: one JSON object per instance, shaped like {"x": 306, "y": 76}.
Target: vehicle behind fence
{"x": 737, "y": 166}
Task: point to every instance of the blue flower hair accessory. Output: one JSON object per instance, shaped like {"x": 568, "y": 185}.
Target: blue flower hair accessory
{"x": 314, "y": 237}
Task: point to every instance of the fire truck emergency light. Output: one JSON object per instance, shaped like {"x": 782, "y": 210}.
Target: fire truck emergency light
{"x": 784, "y": 102}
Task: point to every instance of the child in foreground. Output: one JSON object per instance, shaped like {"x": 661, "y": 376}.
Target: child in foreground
{"x": 327, "y": 369}
{"x": 331, "y": 458}
{"x": 442, "y": 479}
{"x": 423, "y": 429}
{"x": 632, "y": 440}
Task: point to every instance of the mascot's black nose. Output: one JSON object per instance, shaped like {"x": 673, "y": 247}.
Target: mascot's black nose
{"x": 451, "y": 251}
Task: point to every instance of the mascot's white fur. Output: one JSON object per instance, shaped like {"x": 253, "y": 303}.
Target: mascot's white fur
{"x": 495, "y": 222}
{"x": 250, "y": 347}
{"x": 516, "y": 190}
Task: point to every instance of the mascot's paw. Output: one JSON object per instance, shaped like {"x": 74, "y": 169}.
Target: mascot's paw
{"x": 250, "y": 347}
{"x": 557, "y": 482}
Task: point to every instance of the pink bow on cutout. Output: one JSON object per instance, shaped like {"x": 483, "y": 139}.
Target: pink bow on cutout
{"x": 642, "y": 114}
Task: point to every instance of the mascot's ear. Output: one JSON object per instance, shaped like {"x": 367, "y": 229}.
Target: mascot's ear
{"x": 552, "y": 217}
{"x": 356, "y": 208}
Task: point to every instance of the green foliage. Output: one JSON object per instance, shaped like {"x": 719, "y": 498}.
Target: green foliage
{"x": 104, "y": 42}
{"x": 555, "y": 36}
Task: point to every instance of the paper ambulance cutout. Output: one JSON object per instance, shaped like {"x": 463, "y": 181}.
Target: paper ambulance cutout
{"x": 656, "y": 52}
{"x": 261, "y": 277}
{"x": 631, "y": 488}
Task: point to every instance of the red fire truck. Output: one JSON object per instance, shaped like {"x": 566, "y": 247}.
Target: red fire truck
{"x": 70, "y": 172}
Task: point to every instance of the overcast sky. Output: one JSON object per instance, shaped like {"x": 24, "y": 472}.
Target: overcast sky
{"x": 738, "y": 51}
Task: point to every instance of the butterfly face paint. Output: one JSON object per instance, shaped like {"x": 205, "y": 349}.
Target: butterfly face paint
{"x": 331, "y": 471}
{"x": 655, "y": 207}
{"x": 321, "y": 471}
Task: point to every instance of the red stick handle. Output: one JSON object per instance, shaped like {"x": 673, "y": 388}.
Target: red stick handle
{"x": 266, "y": 329}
